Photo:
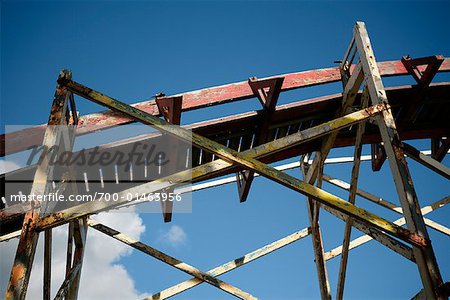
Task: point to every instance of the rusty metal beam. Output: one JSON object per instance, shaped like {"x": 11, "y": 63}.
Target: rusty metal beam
{"x": 383, "y": 202}
{"x": 245, "y": 161}
{"x": 439, "y": 148}
{"x": 65, "y": 286}
{"x": 378, "y": 156}
{"x": 170, "y": 109}
{"x": 426, "y": 161}
{"x": 425, "y": 257}
{"x": 348, "y": 98}
{"x": 314, "y": 171}
{"x": 200, "y": 171}
{"x": 267, "y": 91}
{"x": 21, "y": 269}
{"x": 303, "y": 110}
{"x": 47, "y": 264}
{"x": 231, "y": 265}
{"x": 171, "y": 261}
{"x": 79, "y": 235}
{"x": 366, "y": 238}
{"x": 24, "y": 139}
{"x": 381, "y": 237}
{"x": 313, "y": 215}
{"x": 423, "y": 78}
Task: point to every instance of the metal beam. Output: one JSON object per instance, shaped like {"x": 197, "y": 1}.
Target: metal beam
{"x": 18, "y": 141}
{"x": 439, "y": 148}
{"x": 313, "y": 215}
{"x": 383, "y": 202}
{"x": 231, "y": 265}
{"x": 351, "y": 199}
{"x": 425, "y": 257}
{"x": 315, "y": 170}
{"x": 215, "y": 166}
{"x": 79, "y": 236}
{"x": 267, "y": 92}
{"x": 20, "y": 273}
{"x": 65, "y": 286}
{"x": 170, "y": 109}
{"x": 366, "y": 238}
{"x": 171, "y": 261}
{"x": 426, "y": 161}
{"x": 247, "y": 162}
{"x": 381, "y": 237}
{"x": 47, "y": 264}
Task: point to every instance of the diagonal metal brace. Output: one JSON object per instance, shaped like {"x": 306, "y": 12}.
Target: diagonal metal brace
{"x": 250, "y": 163}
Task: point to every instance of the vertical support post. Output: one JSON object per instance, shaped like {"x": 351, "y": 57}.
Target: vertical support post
{"x": 69, "y": 254}
{"x": 352, "y": 197}
{"x": 425, "y": 257}
{"x": 80, "y": 233}
{"x": 351, "y": 84}
{"x": 313, "y": 214}
{"x": 26, "y": 249}
{"x": 47, "y": 264}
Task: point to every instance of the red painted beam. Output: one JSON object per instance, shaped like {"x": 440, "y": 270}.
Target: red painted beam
{"x": 24, "y": 139}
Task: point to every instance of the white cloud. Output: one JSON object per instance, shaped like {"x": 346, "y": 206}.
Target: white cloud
{"x": 175, "y": 236}
{"x": 103, "y": 277}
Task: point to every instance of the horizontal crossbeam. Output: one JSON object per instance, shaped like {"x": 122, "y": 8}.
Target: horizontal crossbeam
{"x": 21, "y": 140}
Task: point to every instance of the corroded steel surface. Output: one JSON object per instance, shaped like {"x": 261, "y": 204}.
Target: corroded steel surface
{"x": 26, "y": 138}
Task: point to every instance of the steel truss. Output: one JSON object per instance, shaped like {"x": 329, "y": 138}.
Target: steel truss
{"x": 357, "y": 71}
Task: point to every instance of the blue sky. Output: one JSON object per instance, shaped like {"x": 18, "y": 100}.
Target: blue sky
{"x": 132, "y": 50}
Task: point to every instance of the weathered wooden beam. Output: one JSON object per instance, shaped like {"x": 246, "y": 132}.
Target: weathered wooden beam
{"x": 24, "y": 139}
{"x": 171, "y": 261}
{"x": 425, "y": 257}
{"x": 231, "y": 265}
{"x": 21, "y": 269}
